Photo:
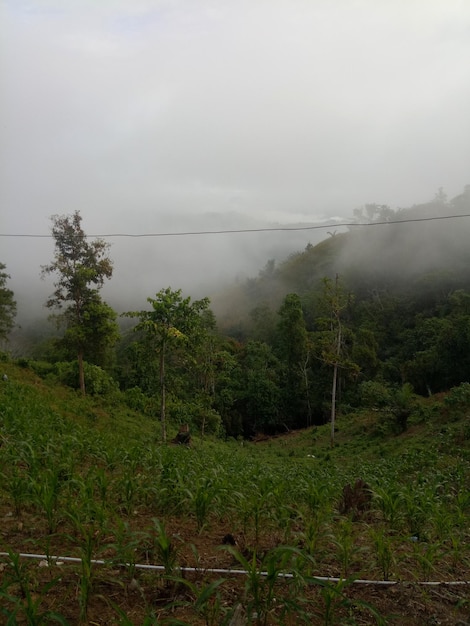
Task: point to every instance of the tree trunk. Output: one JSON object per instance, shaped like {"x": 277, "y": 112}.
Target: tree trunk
{"x": 162, "y": 393}
{"x": 307, "y": 390}
{"x": 81, "y": 373}
{"x": 333, "y": 390}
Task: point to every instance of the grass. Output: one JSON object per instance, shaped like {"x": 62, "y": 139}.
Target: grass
{"x": 84, "y": 478}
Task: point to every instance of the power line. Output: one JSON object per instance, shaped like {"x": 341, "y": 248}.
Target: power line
{"x": 251, "y": 230}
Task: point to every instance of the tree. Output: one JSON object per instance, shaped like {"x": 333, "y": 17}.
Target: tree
{"x": 7, "y": 305}
{"x": 293, "y": 352}
{"x": 330, "y": 341}
{"x": 171, "y": 324}
{"x": 101, "y": 335}
{"x": 259, "y": 394}
{"x": 81, "y": 267}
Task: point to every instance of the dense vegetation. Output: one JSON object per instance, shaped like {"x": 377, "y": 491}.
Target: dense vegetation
{"x": 356, "y": 350}
{"x": 83, "y": 478}
{"x": 377, "y": 315}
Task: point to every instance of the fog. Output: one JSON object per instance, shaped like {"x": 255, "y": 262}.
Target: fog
{"x": 159, "y": 116}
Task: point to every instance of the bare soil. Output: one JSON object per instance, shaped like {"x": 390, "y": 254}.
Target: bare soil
{"x": 118, "y": 597}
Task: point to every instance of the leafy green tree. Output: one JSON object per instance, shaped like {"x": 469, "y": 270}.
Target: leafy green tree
{"x": 258, "y": 395}
{"x": 101, "y": 333}
{"x": 173, "y": 324}
{"x": 81, "y": 267}
{"x": 292, "y": 348}
{"x": 437, "y": 354}
{"x": 7, "y": 305}
{"x": 263, "y": 323}
{"x": 396, "y": 403}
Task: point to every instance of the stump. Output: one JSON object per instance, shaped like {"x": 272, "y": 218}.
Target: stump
{"x": 184, "y": 436}
{"x": 356, "y": 499}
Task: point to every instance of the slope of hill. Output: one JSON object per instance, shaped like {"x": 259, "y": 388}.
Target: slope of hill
{"x": 85, "y": 479}
{"x": 391, "y": 252}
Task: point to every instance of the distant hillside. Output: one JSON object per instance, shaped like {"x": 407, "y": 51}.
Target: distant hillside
{"x": 386, "y": 251}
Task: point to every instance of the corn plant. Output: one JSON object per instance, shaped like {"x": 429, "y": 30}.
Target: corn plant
{"x": 18, "y": 485}
{"x": 88, "y": 537}
{"x": 26, "y": 607}
{"x": 165, "y": 550}
{"x": 336, "y": 601}
{"x": 45, "y": 492}
{"x": 345, "y": 543}
{"x": 206, "y": 599}
{"x": 389, "y": 501}
{"x": 260, "y": 600}
{"x": 126, "y": 544}
{"x": 384, "y": 551}
{"x": 201, "y": 499}
{"x": 255, "y": 506}
{"x": 426, "y": 556}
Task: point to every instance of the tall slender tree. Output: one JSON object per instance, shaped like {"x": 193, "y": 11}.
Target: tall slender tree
{"x": 81, "y": 267}
{"x": 171, "y": 324}
{"x": 330, "y": 341}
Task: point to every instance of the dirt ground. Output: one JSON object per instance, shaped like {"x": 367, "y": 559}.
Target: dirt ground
{"x": 116, "y": 596}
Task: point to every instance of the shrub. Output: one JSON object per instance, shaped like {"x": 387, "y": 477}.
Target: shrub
{"x": 202, "y": 418}
{"x": 458, "y": 397}
{"x": 42, "y": 368}
{"x": 97, "y": 381}
{"x": 136, "y": 399}
{"x": 375, "y": 394}
{"x": 4, "y": 357}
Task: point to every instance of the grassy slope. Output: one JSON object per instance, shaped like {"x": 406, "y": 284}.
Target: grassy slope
{"x": 360, "y": 437}
{"x": 435, "y": 446}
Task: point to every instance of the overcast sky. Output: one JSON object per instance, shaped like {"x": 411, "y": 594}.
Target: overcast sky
{"x": 135, "y": 111}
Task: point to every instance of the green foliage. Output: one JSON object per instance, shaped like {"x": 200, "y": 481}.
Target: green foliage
{"x": 98, "y": 381}
{"x": 201, "y": 417}
{"x": 292, "y": 349}
{"x": 458, "y": 397}
{"x": 7, "y": 305}
{"x": 257, "y": 393}
{"x": 81, "y": 268}
{"x": 27, "y": 607}
{"x": 172, "y": 329}
{"x": 102, "y": 484}
{"x": 375, "y": 394}
{"x": 396, "y": 404}
{"x": 136, "y": 399}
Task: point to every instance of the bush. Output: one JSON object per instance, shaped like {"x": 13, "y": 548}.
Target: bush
{"x": 375, "y": 394}
{"x": 136, "y": 399}
{"x": 42, "y": 368}
{"x": 202, "y": 418}
{"x": 4, "y": 357}
{"x": 395, "y": 404}
{"x": 97, "y": 381}
{"x": 458, "y": 397}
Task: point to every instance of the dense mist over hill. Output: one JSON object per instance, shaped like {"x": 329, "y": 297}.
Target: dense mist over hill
{"x": 237, "y": 270}
{"x": 199, "y": 264}
{"x": 386, "y": 251}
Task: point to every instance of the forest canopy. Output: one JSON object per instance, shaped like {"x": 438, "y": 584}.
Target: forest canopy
{"x": 380, "y": 310}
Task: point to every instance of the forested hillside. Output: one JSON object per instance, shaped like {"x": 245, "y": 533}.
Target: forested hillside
{"x": 396, "y": 285}
{"x": 376, "y": 316}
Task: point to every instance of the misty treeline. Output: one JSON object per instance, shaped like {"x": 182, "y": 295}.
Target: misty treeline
{"x": 371, "y": 317}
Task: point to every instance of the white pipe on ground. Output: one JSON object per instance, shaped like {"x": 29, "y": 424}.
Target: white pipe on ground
{"x": 211, "y": 570}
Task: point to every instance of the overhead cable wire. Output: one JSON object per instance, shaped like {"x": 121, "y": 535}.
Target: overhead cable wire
{"x": 252, "y": 230}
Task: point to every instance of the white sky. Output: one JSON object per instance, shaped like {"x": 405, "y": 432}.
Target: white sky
{"x": 140, "y": 112}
